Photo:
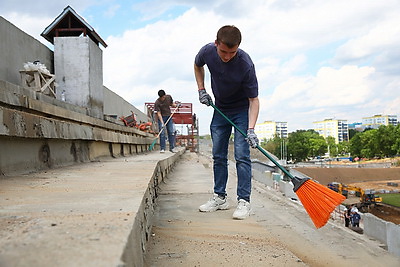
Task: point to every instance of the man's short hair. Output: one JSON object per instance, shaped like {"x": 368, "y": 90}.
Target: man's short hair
{"x": 229, "y": 35}
{"x": 161, "y": 93}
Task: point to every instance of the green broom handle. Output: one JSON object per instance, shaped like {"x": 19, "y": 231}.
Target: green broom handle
{"x": 165, "y": 123}
{"x": 258, "y": 146}
{"x": 155, "y": 140}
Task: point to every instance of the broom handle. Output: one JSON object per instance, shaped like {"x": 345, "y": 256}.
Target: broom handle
{"x": 165, "y": 124}
{"x": 158, "y": 135}
{"x": 258, "y": 146}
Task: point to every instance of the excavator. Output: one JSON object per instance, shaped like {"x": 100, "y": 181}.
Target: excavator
{"x": 367, "y": 197}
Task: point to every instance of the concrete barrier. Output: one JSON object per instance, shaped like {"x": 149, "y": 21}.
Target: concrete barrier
{"x": 287, "y": 189}
{"x": 386, "y": 232}
{"x": 393, "y": 238}
{"x": 375, "y": 227}
{"x": 133, "y": 254}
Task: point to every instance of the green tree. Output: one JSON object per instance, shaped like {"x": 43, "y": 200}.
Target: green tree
{"x": 355, "y": 145}
{"x": 386, "y": 136}
{"x": 273, "y": 145}
{"x": 331, "y": 143}
{"x": 343, "y": 148}
{"x": 370, "y": 143}
{"x": 352, "y": 132}
{"x": 303, "y": 144}
{"x": 396, "y": 143}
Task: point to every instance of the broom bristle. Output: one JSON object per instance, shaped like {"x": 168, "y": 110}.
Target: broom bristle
{"x": 319, "y": 201}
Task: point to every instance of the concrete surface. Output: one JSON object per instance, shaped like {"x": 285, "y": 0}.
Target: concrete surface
{"x": 100, "y": 214}
{"x": 93, "y": 214}
{"x": 278, "y": 232}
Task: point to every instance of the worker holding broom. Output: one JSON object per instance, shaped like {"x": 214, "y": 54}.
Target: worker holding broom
{"x": 162, "y": 107}
{"x": 235, "y": 89}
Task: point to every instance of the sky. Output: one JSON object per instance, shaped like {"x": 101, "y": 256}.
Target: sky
{"x": 315, "y": 60}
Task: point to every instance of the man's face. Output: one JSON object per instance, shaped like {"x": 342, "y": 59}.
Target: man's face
{"x": 224, "y": 52}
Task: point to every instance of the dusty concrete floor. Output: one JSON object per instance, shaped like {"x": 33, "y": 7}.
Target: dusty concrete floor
{"x": 278, "y": 233}
{"x": 79, "y": 215}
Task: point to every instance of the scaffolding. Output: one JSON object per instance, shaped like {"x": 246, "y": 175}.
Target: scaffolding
{"x": 183, "y": 117}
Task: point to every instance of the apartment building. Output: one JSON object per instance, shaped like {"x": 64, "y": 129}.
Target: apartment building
{"x": 268, "y": 129}
{"x": 332, "y": 127}
{"x": 377, "y": 120}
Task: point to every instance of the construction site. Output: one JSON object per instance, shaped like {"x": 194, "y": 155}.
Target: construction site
{"x": 361, "y": 182}
{"x": 80, "y": 186}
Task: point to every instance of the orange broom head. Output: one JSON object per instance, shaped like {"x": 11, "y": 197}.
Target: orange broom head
{"x": 318, "y": 200}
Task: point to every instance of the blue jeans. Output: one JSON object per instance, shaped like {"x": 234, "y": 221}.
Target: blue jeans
{"x": 171, "y": 134}
{"x": 221, "y": 131}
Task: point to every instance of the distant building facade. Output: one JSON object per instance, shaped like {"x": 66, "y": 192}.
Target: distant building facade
{"x": 356, "y": 126}
{"x": 332, "y": 127}
{"x": 378, "y": 120}
{"x": 268, "y": 129}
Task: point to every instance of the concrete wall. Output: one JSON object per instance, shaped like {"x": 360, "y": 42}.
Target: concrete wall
{"x": 17, "y": 48}
{"x": 79, "y": 72}
{"x": 386, "y": 232}
{"x": 393, "y": 238}
{"x": 117, "y": 106}
{"x": 375, "y": 227}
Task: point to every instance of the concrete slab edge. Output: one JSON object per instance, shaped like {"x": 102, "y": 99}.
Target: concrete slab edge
{"x": 133, "y": 254}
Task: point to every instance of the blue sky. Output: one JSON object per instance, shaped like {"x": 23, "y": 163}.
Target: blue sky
{"x": 314, "y": 59}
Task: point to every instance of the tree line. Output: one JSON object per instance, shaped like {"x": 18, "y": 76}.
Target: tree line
{"x": 302, "y": 145}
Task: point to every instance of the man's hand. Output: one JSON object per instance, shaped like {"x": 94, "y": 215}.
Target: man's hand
{"x": 252, "y": 138}
{"x": 178, "y": 104}
{"x": 204, "y": 97}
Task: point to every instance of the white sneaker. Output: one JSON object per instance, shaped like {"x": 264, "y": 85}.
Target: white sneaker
{"x": 162, "y": 151}
{"x": 215, "y": 203}
{"x": 242, "y": 211}
{"x": 174, "y": 150}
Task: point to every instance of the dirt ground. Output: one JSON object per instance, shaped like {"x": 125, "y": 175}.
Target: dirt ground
{"x": 375, "y": 177}
{"x": 387, "y": 213}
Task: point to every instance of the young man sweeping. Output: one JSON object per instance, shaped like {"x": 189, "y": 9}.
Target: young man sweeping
{"x": 162, "y": 107}
{"x": 235, "y": 89}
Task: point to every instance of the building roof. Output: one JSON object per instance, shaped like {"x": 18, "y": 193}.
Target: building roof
{"x": 69, "y": 23}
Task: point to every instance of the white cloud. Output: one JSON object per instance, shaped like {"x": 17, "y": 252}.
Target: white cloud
{"x": 159, "y": 56}
{"x": 347, "y": 86}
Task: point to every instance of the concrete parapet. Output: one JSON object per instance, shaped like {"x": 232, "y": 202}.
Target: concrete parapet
{"x": 386, "y": 232}
{"x": 393, "y": 238}
{"x": 264, "y": 177}
{"x": 287, "y": 189}
{"x": 375, "y": 227}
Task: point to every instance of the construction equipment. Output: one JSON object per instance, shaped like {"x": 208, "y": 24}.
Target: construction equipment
{"x": 131, "y": 121}
{"x": 366, "y": 197}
